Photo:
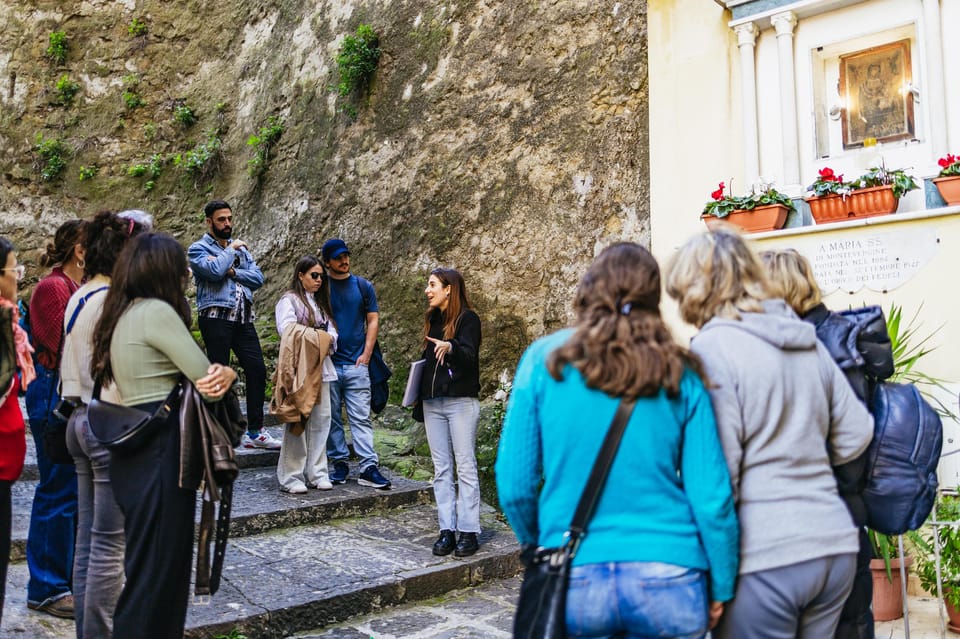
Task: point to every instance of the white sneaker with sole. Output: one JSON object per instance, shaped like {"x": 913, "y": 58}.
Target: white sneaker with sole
{"x": 263, "y": 440}
{"x": 297, "y": 489}
{"x": 322, "y": 484}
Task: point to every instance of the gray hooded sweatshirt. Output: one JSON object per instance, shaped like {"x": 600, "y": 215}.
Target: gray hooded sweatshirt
{"x": 785, "y": 414}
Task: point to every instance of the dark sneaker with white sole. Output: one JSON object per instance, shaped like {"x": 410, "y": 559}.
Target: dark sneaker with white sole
{"x": 371, "y": 477}
{"x": 339, "y": 473}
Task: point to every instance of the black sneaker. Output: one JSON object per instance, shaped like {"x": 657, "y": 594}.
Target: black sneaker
{"x": 445, "y": 544}
{"x": 340, "y": 472}
{"x": 371, "y": 477}
{"x": 466, "y": 545}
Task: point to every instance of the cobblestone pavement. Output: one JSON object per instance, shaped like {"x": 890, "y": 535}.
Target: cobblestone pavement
{"x": 484, "y": 612}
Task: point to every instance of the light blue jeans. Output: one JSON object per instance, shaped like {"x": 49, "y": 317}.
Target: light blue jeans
{"x": 98, "y": 560}
{"x": 352, "y": 389}
{"x": 637, "y": 600}
{"x": 451, "y": 424}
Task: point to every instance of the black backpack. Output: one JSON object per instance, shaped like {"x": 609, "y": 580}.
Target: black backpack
{"x": 901, "y": 481}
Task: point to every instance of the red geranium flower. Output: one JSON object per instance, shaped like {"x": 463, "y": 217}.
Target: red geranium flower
{"x": 947, "y": 161}
{"x": 718, "y": 194}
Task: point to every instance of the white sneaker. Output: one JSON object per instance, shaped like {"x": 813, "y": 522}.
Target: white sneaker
{"x": 263, "y": 440}
{"x": 322, "y": 484}
{"x": 296, "y": 489}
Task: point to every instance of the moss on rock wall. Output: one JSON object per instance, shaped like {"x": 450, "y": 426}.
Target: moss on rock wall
{"x": 505, "y": 139}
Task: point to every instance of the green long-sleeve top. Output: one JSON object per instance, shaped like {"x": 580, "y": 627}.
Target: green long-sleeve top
{"x": 150, "y": 349}
{"x": 668, "y": 496}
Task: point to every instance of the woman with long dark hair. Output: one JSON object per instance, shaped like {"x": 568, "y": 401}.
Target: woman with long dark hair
{"x": 306, "y": 303}
{"x": 660, "y": 555}
{"x": 142, "y": 344}
{"x": 13, "y": 445}
{"x": 54, "y": 513}
{"x": 98, "y": 560}
{"x": 449, "y": 389}
{"x": 785, "y": 416}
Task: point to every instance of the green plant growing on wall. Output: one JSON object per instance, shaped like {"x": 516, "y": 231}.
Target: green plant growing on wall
{"x": 137, "y": 170}
{"x": 57, "y": 47}
{"x": 263, "y": 142}
{"x": 137, "y": 28}
{"x": 357, "y": 60}
{"x": 131, "y": 94}
{"x": 66, "y": 89}
{"x": 88, "y": 172}
{"x": 150, "y": 130}
{"x": 49, "y": 157}
{"x": 202, "y": 161}
{"x": 183, "y": 114}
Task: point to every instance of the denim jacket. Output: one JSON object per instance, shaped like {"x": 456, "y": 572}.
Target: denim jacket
{"x": 210, "y": 262}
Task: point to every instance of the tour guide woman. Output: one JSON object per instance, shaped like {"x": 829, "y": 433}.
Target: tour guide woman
{"x": 451, "y": 410}
{"x": 660, "y": 554}
{"x": 143, "y": 344}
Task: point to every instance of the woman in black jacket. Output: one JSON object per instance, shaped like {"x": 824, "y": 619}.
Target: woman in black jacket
{"x": 451, "y": 410}
{"x": 858, "y": 342}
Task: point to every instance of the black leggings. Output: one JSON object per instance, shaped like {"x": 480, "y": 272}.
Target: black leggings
{"x": 5, "y": 515}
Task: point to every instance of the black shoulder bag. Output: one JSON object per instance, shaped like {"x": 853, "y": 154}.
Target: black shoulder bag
{"x": 379, "y": 371}
{"x": 124, "y": 429}
{"x": 541, "y": 611}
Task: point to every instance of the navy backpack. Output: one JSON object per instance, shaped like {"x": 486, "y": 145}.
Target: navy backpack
{"x": 901, "y": 482}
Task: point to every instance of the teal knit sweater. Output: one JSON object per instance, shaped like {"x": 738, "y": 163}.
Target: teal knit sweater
{"x": 668, "y": 495}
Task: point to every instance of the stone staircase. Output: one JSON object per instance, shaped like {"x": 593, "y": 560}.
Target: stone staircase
{"x": 301, "y": 562}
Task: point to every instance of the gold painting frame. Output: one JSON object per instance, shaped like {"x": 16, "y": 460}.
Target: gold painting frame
{"x": 874, "y": 86}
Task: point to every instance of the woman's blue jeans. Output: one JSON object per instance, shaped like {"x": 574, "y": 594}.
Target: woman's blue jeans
{"x": 54, "y": 514}
{"x": 451, "y": 425}
{"x": 637, "y": 600}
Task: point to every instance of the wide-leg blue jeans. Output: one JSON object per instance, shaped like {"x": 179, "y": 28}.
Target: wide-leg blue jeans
{"x": 54, "y": 514}
{"x": 451, "y": 425}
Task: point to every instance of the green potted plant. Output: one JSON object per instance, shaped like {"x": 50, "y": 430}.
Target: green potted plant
{"x": 887, "y": 583}
{"x": 876, "y": 192}
{"x": 948, "y": 181}
{"x": 948, "y": 540}
{"x": 763, "y": 209}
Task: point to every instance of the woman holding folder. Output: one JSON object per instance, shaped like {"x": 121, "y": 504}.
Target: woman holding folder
{"x": 449, "y": 386}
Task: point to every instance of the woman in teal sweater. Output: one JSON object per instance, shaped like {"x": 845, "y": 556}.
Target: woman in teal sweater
{"x": 660, "y": 554}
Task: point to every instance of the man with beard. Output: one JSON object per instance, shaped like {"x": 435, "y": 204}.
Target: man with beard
{"x": 226, "y": 276}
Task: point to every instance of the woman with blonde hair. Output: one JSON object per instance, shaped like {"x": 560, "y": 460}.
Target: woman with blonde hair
{"x": 858, "y": 342}
{"x": 660, "y": 554}
{"x": 785, "y": 415}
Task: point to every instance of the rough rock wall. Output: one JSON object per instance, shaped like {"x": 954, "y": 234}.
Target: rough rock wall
{"x": 506, "y": 139}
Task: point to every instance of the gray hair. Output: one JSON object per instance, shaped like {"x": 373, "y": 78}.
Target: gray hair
{"x": 142, "y": 218}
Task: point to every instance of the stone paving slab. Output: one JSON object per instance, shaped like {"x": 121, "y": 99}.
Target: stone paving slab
{"x": 307, "y": 577}
{"x": 485, "y": 611}
{"x": 258, "y": 504}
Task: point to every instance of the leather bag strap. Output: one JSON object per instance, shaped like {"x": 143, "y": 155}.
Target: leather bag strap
{"x": 598, "y": 476}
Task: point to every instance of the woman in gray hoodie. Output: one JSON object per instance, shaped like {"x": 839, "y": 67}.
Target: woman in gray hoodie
{"x": 785, "y": 415}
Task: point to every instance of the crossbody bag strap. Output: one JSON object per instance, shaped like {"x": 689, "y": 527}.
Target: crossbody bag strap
{"x": 598, "y": 476}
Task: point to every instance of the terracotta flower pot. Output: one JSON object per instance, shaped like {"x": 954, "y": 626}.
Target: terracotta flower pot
{"x": 887, "y": 595}
{"x": 762, "y": 218}
{"x": 953, "y": 615}
{"x": 949, "y": 188}
{"x": 876, "y": 200}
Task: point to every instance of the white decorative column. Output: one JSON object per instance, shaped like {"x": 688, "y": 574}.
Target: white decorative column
{"x": 933, "y": 93}
{"x": 747, "y": 41}
{"x": 784, "y": 23}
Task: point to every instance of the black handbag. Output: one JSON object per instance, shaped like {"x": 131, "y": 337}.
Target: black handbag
{"x": 541, "y": 611}
{"x": 125, "y": 429}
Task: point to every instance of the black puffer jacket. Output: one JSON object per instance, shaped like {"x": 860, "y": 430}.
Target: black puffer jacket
{"x": 459, "y": 375}
{"x": 858, "y": 342}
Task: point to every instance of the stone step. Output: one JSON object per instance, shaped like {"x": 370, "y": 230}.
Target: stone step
{"x": 246, "y": 457}
{"x": 259, "y": 506}
{"x": 296, "y": 579}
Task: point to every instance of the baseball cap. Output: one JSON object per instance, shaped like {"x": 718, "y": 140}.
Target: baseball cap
{"x": 333, "y": 248}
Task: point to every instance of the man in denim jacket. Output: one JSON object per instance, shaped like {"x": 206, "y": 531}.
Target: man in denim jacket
{"x": 226, "y": 276}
